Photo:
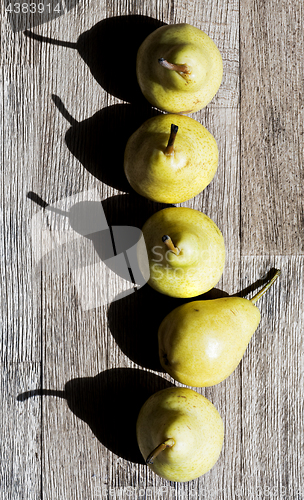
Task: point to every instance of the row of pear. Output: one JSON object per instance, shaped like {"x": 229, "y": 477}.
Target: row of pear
{"x": 170, "y": 159}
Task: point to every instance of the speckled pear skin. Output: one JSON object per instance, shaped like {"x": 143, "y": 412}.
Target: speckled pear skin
{"x": 194, "y": 424}
{"x": 176, "y": 178}
{"x": 167, "y": 89}
{"x": 202, "y": 342}
{"x": 201, "y": 261}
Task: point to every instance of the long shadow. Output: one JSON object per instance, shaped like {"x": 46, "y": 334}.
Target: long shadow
{"x": 119, "y": 210}
{"x": 109, "y": 403}
{"x": 99, "y": 141}
{"x": 134, "y": 321}
{"x": 89, "y": 218}
{"x": 109, "y": 49}
{"x": 100, "y": 242}
{"x": 109, "y": 228}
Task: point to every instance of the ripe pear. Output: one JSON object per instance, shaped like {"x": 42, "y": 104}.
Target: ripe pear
{"x": 186, "y": 252}
{"x": 202, "y": 342}
{"x": 179, "y": 68}
{"x": 170, "y": 158}
{"x": 180, "y": 434}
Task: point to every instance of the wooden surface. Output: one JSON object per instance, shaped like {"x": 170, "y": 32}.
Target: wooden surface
{"x": 73, "y": 378}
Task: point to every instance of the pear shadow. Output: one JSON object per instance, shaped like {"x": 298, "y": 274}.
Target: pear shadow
{"x": 130, "y": 209}
{"x": 134, "y": 321}
{"x": 119, "y": 210}
{"x": 109, "y": 228}
{"x": 87, "y": 218}
{"x": 122, "y": 37}
{"x": 109, "y": 403}
{"x": 99, "y": 142}
{"x": 257, "y": 284}
{"x": 109, "y": 49}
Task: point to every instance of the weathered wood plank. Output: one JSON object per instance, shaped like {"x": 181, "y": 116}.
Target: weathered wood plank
{"x": 272, "y": 374}
{"x": 215, "y": 200}
{"x": 14, "y": 50}
{"x": 20, "y": 422}
{"x": 20, "y": 163}
{"x": 272, "y": 43}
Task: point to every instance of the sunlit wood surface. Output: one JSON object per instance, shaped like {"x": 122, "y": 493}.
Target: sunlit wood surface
{"x": 73, "y": 377}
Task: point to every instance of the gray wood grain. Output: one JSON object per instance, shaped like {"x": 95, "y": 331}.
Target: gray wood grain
{"x": 272, "y": 43}
{"x": 272, "y": 374}
{"x": 20, "y": 421}
{"x": 215, "y": 200}
{"x": 64, "y": 105}
{"x": 19, "y": 286}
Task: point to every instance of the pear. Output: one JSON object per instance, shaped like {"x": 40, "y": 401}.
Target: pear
{"x": 170, "y": 158}
{"x": 179, "y": 68}
{"x": 202, "y": 342}
{"x": 180, "y": 434}
{"x": 186, "y": 252}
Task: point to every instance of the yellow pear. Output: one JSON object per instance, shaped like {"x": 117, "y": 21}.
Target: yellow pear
{"x": 202, "y": 342}
{"x": 179, "y": 68}
{"x": 186, "y": 252}
{"x": 180, "y": 434}
{"x": 170, "y": 158}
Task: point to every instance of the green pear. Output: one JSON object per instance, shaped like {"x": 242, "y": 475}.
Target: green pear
{"x": 170, "y": 158}
{"x": 180, "y": 434}
{"x": 179, "y": 68}
{"x": 186, "y": 252}
{"x": 202, "y": 342}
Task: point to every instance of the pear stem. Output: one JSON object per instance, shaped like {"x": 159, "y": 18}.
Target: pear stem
{"x": 180, "y": 68}
{"x": 170, "y": 146}
{"x": 167, "y": 240}
{"x": 265, "y": 288}
{"x": 161, "y": 447}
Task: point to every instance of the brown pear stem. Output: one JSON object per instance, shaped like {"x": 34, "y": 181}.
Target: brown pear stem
{"x": 180, "y": 68}
{"x": 170, "y": 146}
{"x": 167, "y": 240}
{"x": 265, "y": 288}
{"x": 161, "y": 447}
